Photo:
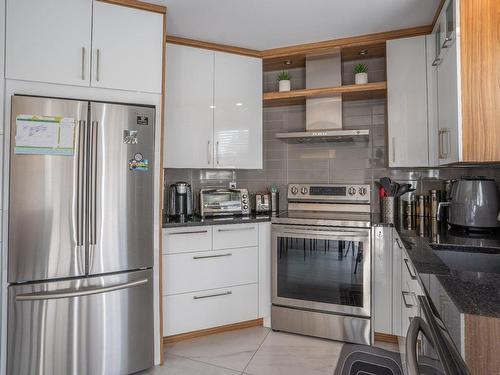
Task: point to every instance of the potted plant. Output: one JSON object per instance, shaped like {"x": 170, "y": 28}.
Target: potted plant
{"x": 284, "y": 81}
{"x": 361, "y": 74}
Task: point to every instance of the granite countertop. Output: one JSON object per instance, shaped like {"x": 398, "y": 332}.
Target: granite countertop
{"x": 467, "y": 266}
{"x": 197, "y": 220}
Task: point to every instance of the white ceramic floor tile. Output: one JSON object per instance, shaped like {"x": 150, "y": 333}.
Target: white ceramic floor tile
{"x": 231, "y": 350}
{"x": 175, "y": 365}
{"x": 288, "y": 354}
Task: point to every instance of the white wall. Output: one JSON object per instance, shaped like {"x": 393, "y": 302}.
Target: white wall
{"x": 43, "y": 89}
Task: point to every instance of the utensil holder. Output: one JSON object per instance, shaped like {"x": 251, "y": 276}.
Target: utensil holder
{"x": 389, "y": 209}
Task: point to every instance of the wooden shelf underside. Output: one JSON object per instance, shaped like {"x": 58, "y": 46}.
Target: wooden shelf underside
{"x": 375, "y": 90}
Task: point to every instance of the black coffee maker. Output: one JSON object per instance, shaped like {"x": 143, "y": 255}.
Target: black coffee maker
{"x": 180, "y": 200}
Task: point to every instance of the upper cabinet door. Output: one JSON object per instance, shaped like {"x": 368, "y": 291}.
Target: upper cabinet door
{"x": 49, "y": 41}
{"x": 127, "y": 48}
{"x": 238, "y": 112}
{"x": 407, "y": 102}
{"x": 189, "y": 103}
{"x": 449, "y": 141}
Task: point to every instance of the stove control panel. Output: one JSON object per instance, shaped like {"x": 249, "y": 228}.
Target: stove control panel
{"x": 329, "y": 192}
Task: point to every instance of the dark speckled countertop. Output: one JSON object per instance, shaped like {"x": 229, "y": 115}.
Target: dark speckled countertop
{"x": 466, "y": 265}
{"x": 197, "y": 220}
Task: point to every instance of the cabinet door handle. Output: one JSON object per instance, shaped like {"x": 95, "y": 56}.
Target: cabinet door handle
{"x": 235, "y": 229}
{"x": 399, "y": 244}
{"x": 448, "y": 142}
{"x": 446, "y": 41}
{"x": 214, "y": 295}
{"x": 209, "y": 154}
{"x": 393, "y": 149}
{"x": 440, "y": 144}
{"x": 212, "y": 256}
{"x": 408, "y": 305}
{"x": 83, "y": 63}
{"x": 98, "y": 63}
{"x": 189, "y": 232}
{"x": 217, "y": 151}
{"x": 413, "y": 275}
{"x": 436, "y": 61}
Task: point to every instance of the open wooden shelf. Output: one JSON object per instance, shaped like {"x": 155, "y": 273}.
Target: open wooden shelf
{"x": 375, "y": 90}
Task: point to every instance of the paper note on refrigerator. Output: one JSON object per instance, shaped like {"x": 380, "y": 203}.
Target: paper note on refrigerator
{"x": 44, "y": 135}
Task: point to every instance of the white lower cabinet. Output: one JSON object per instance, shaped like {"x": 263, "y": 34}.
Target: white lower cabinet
{"x": 210, "y": 308}
{"x": 396, "y": 284}
{"x": 209, "y": 269}
{"x": 215, "y": 275}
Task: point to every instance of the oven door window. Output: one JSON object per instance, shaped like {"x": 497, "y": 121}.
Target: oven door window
{"x": 322, "y": 271}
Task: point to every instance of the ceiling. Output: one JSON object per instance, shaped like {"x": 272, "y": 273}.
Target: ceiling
{"x": 264, "y": 24}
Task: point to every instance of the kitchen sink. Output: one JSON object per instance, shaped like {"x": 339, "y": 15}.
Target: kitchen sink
{"x": 469, "y": 260}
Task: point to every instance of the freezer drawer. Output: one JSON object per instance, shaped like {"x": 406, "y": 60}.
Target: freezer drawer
{"x": 99, "y": 325}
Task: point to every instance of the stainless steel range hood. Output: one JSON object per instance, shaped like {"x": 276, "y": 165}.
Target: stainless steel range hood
{"x": 324, "y": 115}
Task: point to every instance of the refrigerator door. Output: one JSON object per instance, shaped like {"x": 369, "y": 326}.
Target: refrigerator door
{"x": 121, "y": 168}
{"x": 98, "y": 325}
{"x": 46, "y": 233}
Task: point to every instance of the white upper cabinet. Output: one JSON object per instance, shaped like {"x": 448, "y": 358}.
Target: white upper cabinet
{"x": 407, "y": 102}
{"x": 448, "y": 107}
{"x": 213, "y": 109}
{"x": 127, "y": 48}
{"x": 238, "y": 112}
{"x": 189, "y": 107}
{"x": 432, "y": 101}
{"x": 448, "y": 85}
{"x": 49, "y": 41}
{"x": 62, "y": 42}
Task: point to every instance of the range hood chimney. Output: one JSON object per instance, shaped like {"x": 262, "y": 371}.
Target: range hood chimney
{"x": 323, "y": 115}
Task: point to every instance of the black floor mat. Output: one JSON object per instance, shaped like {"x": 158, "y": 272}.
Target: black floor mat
{"x": 368, "y": 360}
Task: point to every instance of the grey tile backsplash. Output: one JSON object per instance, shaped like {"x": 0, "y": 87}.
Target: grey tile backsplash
{"x": 334, "y": 162}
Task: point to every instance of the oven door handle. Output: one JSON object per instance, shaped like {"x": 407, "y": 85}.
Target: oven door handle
{"x": 327, "y": 234}
{"x": 417, "y": 325}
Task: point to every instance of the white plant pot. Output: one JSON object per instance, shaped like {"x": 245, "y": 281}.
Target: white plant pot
{"x": 284, "y": 85}
{"x": 361, "y": 78}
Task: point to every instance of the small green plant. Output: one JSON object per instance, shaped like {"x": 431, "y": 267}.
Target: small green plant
{"x": 284, "y": 76}
{"x": 360, "y": 68}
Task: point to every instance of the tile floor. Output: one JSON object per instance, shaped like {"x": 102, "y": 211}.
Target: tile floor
{"x": 253, "y": 351}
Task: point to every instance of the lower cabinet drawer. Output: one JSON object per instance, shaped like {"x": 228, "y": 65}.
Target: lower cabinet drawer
{"x": 235, "y": 235}
{"x": 211, "y": 308}
{"x": 186, "y": 239}
{"x": 187, "y": 272}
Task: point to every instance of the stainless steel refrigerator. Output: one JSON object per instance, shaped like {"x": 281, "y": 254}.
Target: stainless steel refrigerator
{"x": 80, "y": 295}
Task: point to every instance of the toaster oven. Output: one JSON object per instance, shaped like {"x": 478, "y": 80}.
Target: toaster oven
{"x": 222, "y": 202}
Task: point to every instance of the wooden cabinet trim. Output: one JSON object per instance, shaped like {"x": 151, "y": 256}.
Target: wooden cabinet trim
{"x": 212, "y": 46}
{"x": 325, "y": 46}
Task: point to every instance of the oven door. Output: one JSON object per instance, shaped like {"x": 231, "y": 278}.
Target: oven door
{"x": 321, "y": 268}
{"x": 218, "y": 202}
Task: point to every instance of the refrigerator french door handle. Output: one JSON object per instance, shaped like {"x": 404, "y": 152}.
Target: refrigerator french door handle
{"x": 93, "y": 183}
{"x": 65, "y": 293}
{"x": 80, "y": 183}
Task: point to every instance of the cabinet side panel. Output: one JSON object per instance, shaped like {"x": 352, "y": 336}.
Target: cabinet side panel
{"x": 482, "y": 335}
{"x": 480, "y": 52}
